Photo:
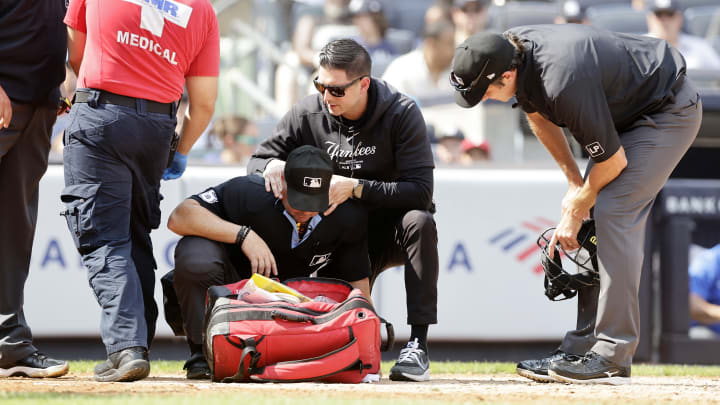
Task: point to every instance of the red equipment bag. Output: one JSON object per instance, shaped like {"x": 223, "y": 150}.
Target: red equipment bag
{"x": 284, "y": 342}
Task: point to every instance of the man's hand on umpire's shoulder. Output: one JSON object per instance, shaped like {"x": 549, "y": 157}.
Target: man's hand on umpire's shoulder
{"x": 261, "y": 258}
{"x": 5, "y": 109}
{"x": 273, "y": 174}
{"x": 341, "y": 188}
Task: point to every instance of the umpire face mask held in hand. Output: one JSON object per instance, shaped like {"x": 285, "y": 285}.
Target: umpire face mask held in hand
{"x": 557, "y": 280}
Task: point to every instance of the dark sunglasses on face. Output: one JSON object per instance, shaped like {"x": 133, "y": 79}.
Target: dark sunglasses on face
{"x": 457, "y": 82}
{"x": 335, "y": 91}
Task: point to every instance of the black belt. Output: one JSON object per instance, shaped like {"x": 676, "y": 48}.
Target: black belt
{"x": 117, "y": 99}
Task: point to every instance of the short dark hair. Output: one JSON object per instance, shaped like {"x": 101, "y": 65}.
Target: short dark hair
{"x": 518, "y": 56}
{"x": 347, "y": 55}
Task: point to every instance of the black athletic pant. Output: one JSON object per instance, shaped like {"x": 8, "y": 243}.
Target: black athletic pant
{"x": 200, "y": 264}
{"x": 407, "y": 238}
{"x": 24, "y": 148}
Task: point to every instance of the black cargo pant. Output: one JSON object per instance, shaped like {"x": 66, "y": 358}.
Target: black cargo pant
{"x": 114, "y": 158}
{"x": 24, "y": 148}
{"x": 409, "y": 238}
{"x": 200, "y": 263}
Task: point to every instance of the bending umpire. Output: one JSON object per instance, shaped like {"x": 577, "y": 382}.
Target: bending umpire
{"x": 626, "y": 100}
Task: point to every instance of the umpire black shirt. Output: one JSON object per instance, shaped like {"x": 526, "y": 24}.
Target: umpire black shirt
{"x": 32, "y": 49}
{"x": 337, "y": 247}
{"x": 594, "y": 82}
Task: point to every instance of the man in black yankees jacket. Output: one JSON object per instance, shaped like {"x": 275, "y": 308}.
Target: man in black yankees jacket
{"x": 237, "y": 228}
{"x": 381, "y": 155}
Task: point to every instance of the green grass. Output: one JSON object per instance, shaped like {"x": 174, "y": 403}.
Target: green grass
{"x": 456, "y": 367}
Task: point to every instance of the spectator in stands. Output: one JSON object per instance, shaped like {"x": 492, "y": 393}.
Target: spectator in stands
{"x": 572, "y": 12}
{"x": 369, "y": 18}
{"x": 665, "y": 20}
{"x": 238, "y": 136}
{"x": 705, "y": 294}
{"x": 440, "y": 10}
{"x": 447, "y": 144}
{"x": 423, "y": 73}
{"x": 474, "y": 152}
{"x": 470, "y": 17}
{"x": 336, "y": 16}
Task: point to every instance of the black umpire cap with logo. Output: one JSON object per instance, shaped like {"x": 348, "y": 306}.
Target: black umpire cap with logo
{"x": 308, "y": 171}
{"x": 477, "y": 62}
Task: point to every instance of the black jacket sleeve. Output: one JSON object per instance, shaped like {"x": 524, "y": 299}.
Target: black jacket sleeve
{"x": 412, "y": 192}
{"x": 284, "y": 139}
{"x": 413, "y": 186}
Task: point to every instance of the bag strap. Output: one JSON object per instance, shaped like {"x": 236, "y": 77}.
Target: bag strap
{"x": 316, "y": 368}
{"x": 244, "y": 372}
{"x": 390, "y": 335}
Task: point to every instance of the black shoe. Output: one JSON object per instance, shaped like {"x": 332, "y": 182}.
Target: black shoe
{"x": 129, "y": 364}
{"x": 36, "y": 365}
{"x": 412, "y": 365}
{"x": 197, "y": 367}
{"x": 537, "y": 370}
{"x": 591, "y": 369}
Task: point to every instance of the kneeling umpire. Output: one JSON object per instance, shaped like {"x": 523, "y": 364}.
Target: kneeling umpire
{"x": 237, "y": 228}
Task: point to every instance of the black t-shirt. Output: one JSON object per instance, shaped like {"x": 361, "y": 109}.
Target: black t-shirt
{"x": 336, "y": 247}
{"x": 32, "y": 50}
{"x": 594, "y": 82}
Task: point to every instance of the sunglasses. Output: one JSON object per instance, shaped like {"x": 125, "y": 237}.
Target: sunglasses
{"x": 335, "y": 91}
{"x": 457, "y": 82}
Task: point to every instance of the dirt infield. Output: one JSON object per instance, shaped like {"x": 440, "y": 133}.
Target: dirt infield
{"x": 504, "y": 388}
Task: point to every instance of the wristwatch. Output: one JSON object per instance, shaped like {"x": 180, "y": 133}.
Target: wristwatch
{"x": 357, "y": 190}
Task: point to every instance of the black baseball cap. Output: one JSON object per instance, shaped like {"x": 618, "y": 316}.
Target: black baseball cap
{"x": 477, "y": 61}
{"x": 308, "y": 171}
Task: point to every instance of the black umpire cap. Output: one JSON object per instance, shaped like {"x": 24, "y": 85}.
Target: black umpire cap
{"x": 477, "y": 62}
{"x": 308, "y": 171}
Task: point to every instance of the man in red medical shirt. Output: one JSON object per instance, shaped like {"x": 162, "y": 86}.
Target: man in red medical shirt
{"x": 132, "y": 58}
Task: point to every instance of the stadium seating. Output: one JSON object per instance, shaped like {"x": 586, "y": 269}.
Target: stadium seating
{"x": 618, "y": 18}
{"x": 522, "y": 13}
{"x": 696, "y": 3}
{"x": 407, "y": 15}
{"x": 698, "y": 19}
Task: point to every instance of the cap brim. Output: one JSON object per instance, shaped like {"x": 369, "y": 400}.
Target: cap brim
{"x": 471, "y": 98}
{"x": 306, "y": 202}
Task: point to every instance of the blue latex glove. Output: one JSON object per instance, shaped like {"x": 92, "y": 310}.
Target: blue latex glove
{"x": 177, "y": 167}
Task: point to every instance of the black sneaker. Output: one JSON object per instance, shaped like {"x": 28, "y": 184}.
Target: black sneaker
{"x": 412, "y": 365}
{"x": 591, "y": 369}
{"x": 129, "y": 364}
{"x": 197, "y": 367}
{"x": 537, "y": 370}
{"x": 36, "y": 365}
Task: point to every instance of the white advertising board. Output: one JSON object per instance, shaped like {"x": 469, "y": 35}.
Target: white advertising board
{"x": 490, "y": 284}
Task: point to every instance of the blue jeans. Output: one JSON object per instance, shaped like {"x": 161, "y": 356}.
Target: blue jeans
{"x": 114, "y": 159}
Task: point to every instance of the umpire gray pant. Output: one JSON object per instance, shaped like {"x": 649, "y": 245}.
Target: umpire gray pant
{"x": 608, "y": 321}
{"x": 24, "y": 148}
